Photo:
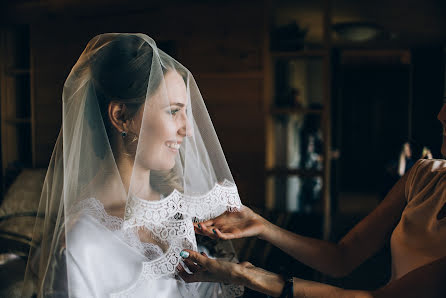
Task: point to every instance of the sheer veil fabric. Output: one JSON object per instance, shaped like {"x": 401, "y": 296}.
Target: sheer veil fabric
{"x": 137, "y": 161}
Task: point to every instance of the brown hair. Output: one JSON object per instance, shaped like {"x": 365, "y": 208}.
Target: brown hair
{"x": 120, "y": 73}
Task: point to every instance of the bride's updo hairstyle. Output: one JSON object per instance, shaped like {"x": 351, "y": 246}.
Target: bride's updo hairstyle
{"x": 120, "y": 73}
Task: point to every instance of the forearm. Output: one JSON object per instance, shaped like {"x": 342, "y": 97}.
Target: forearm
{"x": 272, "y": 284}
{"x": 324, "y": 256}
{"x": 261, "y": 280}
{"x": 425, "y": 281}
{"x": 339, "y": 259}
{"x": 309, "y": 289}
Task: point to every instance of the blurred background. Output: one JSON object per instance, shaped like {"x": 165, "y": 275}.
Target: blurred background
{"x": 320, "y": 105}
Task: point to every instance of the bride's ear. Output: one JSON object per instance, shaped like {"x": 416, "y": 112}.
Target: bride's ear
{"x": 117, "y": 114}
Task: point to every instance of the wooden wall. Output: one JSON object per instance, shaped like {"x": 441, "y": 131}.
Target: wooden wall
{"x": 221, "y": 44}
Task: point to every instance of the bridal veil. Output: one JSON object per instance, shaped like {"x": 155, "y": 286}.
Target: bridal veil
{"x": 137, "y": 161}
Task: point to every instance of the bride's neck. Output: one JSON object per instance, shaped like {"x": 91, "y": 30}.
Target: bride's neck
{"x": 135, "y": 178}
{"x": 125, "y": 169}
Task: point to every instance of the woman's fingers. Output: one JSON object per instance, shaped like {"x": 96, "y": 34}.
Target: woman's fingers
{"x": 218, "y": 221}
{"x": 180, "y": 268}
{"x": 208, "y": 223}
{"x": 204, "y": 230}
{"x": 186, "y": 276}
{"x": 193, "y": 267}
{"x": 210, "y": 269}
{"x": 195, "y": 257}
{"x": 224, "y": 236}
{"x": 196, "y": 263}
{"x": 198, "y": 230}
{"x": 213, "y": 232}
{"x": 246, "y": 264}
{"x": 228, "y": 234}
{"x": 208, "y": 231}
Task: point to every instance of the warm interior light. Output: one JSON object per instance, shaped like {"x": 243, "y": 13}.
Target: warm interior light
{"x": 357, "y": 31}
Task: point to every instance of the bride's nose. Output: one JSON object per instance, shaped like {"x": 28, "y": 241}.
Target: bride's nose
{"x": 186, "y": 129}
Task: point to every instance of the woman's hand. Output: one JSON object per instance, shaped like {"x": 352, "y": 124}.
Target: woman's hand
{"x": 204, "y": 269}
{"x": 233, "y": 225}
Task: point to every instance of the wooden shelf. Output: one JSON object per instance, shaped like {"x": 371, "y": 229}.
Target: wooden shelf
{"x": 300, "y": 54}
{"x": 295, "y": 110}
{"x": 293, "y": 172}
{"x": 320, "y": 57}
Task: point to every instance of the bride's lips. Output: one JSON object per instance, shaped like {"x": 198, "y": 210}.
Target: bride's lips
{"x": 173, "y": 146}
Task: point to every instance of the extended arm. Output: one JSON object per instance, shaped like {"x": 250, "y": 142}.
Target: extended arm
{"x": 335, "y": 259}
{"x": 426, "y": 281}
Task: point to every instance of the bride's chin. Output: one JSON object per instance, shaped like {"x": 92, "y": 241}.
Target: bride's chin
{"x": 162, "y": 168}
{"x": 170, "y": 167}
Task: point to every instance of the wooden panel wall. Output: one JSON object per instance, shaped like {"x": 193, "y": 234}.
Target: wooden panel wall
{"x": 221, "y": 44}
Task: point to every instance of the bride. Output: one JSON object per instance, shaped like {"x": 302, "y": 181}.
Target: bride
{"x": 137, "y": 161}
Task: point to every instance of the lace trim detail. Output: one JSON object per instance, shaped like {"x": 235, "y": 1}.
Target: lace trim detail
{"x": 171, "y": 230}
{"x": 162, "y": 267}
{"x": 161, "y": 220}
{"x": 165, "y": 266}
{"x": 95, "y": 209}
{"x": 220, "y": 198}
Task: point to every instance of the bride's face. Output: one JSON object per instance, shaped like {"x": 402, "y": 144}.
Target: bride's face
{"x": 163, "y": 124}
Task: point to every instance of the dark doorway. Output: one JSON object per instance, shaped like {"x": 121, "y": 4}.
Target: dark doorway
{"x": 373, "y": 116}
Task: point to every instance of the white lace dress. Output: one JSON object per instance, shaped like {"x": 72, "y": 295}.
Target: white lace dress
{"x": 93, "y": 273}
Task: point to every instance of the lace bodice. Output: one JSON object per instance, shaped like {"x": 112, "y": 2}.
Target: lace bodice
{"x": 161, "y": 220}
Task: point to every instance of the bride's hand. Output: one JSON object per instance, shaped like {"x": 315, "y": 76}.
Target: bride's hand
{"x": 233, "y": 225}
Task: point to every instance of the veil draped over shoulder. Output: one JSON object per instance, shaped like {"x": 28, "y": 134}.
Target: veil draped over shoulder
{"x": 137, "y": 161}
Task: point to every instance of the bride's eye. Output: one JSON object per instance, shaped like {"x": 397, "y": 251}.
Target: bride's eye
{"x": 173, "y": 112}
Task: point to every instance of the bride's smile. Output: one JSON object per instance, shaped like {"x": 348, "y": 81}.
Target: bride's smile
{"x": 163, "y": 125}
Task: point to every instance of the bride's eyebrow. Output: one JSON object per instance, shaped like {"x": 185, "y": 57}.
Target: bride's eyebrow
{"x": 181, "y": 105}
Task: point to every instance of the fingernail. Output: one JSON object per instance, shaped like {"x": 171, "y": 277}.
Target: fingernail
{"x": 184, "y": 254}
{"x": 213, "y": 230}
{"x": 199, "y": 226}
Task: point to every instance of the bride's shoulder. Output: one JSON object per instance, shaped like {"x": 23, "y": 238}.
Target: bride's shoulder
{"x": 90, "y": 216}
